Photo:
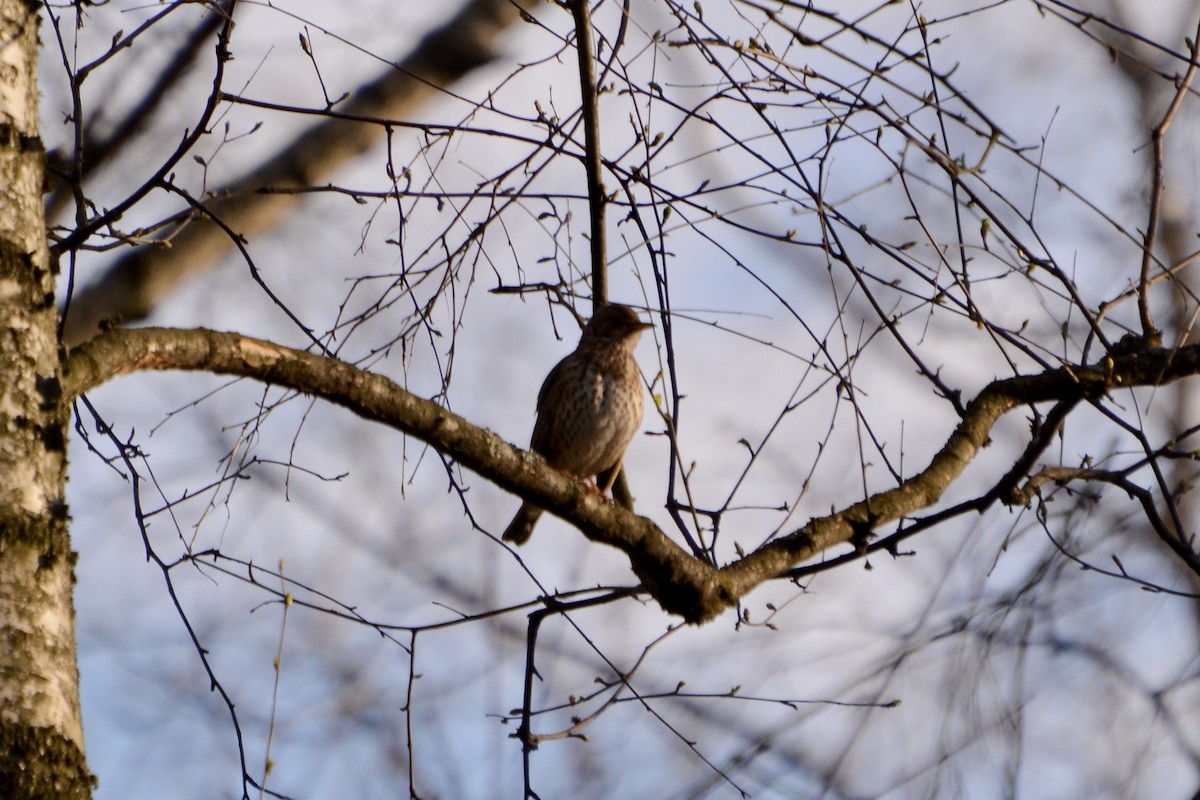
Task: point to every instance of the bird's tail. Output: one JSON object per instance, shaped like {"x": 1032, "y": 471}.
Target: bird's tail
{"x": 521, "y": 528}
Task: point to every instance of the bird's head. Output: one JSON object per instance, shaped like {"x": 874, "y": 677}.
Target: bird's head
{"x": 614, "y": 323}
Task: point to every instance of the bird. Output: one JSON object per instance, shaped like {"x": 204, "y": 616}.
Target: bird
{"x": 589, "y": 407}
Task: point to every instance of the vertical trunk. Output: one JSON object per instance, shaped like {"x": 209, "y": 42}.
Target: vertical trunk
{"x": 41, "y": 737}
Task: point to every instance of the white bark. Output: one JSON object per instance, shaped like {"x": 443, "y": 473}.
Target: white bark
{"x": 41, "y": 734}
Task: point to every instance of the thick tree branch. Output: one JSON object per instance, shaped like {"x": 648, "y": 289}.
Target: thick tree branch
{"x": 681, "y": 583}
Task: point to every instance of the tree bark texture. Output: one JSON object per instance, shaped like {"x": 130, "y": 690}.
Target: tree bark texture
{"x": 41, "y": 733}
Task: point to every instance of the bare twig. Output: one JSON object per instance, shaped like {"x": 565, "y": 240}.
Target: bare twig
{"x": 1158, "y": 138}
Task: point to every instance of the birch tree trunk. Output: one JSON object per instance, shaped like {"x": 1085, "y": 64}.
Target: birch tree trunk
{"x": 41, "y": 734}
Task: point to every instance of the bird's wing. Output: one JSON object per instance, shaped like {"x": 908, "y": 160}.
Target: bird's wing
{"x": 548, "y": 405}
{"x": 552, "y": 387}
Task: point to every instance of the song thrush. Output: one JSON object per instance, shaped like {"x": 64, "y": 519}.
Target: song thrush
{"x": 589, "y": 407}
